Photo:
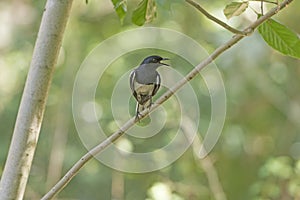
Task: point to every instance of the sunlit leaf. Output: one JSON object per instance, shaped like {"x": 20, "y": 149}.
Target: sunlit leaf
{"x": 145, "y": 12}
{"x": 280, "y": 38}
{"x": 235, "y": 9}
{"x": 120, "y": 8}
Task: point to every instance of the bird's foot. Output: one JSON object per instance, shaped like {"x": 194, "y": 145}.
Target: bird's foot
{"x": 150, "y": 105}
{"x": 137, "y": 117}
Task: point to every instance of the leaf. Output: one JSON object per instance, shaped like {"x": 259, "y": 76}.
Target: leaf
{"x": 120, "y": 8}
{"x": 235, "y": 9}
{"x": 280, "y": 37}
{"x": 145, "y": 12}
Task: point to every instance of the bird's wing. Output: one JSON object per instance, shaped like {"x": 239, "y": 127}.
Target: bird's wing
{"x": 156, "y": 84}
{"x": 132, "y": 83}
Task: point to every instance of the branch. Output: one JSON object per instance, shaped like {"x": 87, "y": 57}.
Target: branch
{"x": 266, "y": 1}
{"x": 206, "y": 163}
{"x": 209, "y": 16}
{"x": 32, "y": 106}
{"x": 97, "y": 149}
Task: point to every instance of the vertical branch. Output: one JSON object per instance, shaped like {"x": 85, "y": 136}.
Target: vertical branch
{"x": 32, "y": 107}
{"x": 262, "y": 7}
{"x": 117, "y": 185}
{"x": 205, "y": 163}
{"x": 59, "y": 142}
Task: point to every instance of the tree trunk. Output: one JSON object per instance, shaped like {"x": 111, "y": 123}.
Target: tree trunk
{"x": 32, "y": 107}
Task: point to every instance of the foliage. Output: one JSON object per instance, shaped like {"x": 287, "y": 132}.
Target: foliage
{"x": 275, "y": 34}
{"x": 235, "y": 9}
{"x": 280, "y": 38}
{"x": 279, "y": 179}
{"x": 120, "y": 8}
{"x": 144, "y": 13}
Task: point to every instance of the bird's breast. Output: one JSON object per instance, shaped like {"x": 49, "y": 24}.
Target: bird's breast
{"x": 142, "y": 89}
{"x": 146, "y": 76}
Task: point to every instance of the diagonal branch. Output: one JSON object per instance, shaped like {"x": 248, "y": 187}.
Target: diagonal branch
{"x": 100, "y": 147}
{"x": 209, "y": 16}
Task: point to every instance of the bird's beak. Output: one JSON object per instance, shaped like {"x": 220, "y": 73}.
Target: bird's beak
{"x": 164, "y": 63}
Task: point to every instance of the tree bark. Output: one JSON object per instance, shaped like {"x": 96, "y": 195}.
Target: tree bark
{"x": 32, "y": 106}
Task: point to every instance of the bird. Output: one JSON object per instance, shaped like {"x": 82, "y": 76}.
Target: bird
{"x": 145, "y": 82}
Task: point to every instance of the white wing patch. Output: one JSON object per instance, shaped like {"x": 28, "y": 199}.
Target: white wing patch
{"x": 132, "y": 80}
{"x": 158, "y": 80}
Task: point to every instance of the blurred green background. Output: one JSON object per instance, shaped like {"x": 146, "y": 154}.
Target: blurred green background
{"x": 257, "y": 154}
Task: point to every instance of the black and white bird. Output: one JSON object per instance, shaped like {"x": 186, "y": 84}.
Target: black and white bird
{"x": 145, "y": 82}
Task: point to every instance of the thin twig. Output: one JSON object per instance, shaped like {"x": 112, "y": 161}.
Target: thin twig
{"x": 209, "y": 16}
{"x": 97, "y": 149}
{"x": 266, "y": 1}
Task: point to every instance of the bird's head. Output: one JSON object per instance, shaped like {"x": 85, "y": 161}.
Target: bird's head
{"x": 155, "y": 59}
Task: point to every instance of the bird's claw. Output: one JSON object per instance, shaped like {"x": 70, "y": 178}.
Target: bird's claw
{"x": 137, "y": 117}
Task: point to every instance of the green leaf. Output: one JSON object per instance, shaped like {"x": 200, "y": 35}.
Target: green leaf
{"x": 120, "y": 8}
{"x": 145, "y": 12}
{"x": 280, "y": 38}
{"x": 235, "y": 9}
